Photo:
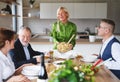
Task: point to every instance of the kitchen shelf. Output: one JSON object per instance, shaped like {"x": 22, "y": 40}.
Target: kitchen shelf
{"x": 30, "y": 13}
{"x": 8, "y": 15}
{"x": 34, "y": 17}
{"x": 9, "y": 1}
{"x": 28, "y": 8}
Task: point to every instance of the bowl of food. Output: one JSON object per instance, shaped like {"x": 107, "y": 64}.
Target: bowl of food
{"x": 64, "y": 47}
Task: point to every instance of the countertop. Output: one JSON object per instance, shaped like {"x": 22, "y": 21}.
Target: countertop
{"x": 78, "y": 41}
{"x": 44, "y": 39}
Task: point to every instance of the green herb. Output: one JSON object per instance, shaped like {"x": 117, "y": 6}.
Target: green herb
{"x": 72, "y": 73}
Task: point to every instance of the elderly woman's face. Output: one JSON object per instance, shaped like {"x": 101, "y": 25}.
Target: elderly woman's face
{"x": 62, "y": 15}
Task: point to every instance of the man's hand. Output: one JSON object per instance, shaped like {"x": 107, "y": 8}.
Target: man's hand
{"x": 38, "y": 58}
{"x": 18, "y": 78}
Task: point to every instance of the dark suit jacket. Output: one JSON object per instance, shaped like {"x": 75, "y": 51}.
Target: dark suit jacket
{"x": 18, "y": 54}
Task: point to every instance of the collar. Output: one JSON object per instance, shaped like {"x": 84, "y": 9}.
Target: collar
{"x": 108, "y": 40}
{"x": 3, "y": 57}
{"x": 25, "y": 45}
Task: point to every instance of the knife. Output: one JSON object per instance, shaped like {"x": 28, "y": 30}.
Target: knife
{"x": 99, "y": 62}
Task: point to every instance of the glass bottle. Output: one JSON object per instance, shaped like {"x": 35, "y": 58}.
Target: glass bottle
{"x": 43, "y": 73}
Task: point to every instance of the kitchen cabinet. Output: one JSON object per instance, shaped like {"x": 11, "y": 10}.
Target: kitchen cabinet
{"x": 84, "y": 10}
{"x": 90, "y": 10}
{"x": 49, "y": 10}
{"x": 100, "y": 10}
{"x": 76, "y": 10}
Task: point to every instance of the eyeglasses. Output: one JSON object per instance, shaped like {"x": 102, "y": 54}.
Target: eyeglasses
{"x": 101, "y": 27}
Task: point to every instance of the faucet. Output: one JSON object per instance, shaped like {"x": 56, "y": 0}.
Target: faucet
{"x": 87, "y": 30}
{"x": 47, "y": 31}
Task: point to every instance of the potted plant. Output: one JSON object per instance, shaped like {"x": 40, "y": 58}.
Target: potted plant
{"x": 92, "y": 37}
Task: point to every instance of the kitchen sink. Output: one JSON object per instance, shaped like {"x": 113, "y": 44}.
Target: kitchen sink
{"x": 41, "y": 37}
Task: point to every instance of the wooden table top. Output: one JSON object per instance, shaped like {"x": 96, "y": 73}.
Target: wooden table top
{"x": 103, "y": 75}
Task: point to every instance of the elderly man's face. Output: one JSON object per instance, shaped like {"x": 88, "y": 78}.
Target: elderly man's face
{"x": 25, "y": 37}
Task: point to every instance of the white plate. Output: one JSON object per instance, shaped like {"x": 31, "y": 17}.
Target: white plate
{"x": 89, "y": 58}
{"x": 31, "y": 70}
{"x": 66, "y": 55}
{"x": 86, "y": 60}
{"x": 58, "y": 62}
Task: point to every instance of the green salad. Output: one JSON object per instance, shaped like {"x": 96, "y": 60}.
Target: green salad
{"x": 69, "y": 72}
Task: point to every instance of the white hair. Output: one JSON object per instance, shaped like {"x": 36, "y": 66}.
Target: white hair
{"x": 62, "y": 8}
{"x": 24, "y": 28}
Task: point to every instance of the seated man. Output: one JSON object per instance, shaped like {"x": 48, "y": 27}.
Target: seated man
{"x": 110, "y": 47}
{"x": 23, "y": 52}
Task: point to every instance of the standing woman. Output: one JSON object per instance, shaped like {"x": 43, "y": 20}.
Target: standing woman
{"x": 63, "y": 29}
{"x": 7, "y": 69}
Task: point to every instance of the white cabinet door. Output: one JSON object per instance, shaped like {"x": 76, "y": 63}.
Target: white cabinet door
{"x": 101, "y": 10}
{"x": 70, "y": 8}
{"x": 84, "y": 10}
{"x": 46, "y": 10}
{"x": 49, "y": 10}
{"x": 76, "y": 10}
{"x": 90, "y": 10}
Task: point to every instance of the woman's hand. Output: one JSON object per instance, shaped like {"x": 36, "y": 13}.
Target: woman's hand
{"x": 71, "y": 46}
{"x": 18, "y": 78}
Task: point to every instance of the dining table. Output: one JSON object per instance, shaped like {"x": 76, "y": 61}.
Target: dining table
{"x": 103, "y": 75}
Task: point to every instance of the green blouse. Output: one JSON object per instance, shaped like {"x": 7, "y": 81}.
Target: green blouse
{"x": 63, "y": 32}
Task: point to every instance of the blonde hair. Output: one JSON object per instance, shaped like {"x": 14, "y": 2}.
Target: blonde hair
{"x": 64, "y": 9}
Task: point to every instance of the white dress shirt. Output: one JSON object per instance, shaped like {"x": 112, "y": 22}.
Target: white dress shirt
{"x": 115, "y": 51}
{"x": 27, "y": 54}
{"x": 6, "y": 66}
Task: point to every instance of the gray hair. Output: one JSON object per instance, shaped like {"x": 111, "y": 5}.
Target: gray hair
{"x": 24, "y": 28}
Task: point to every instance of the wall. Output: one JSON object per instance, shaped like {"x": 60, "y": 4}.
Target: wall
{"x": 114, "y": 13}
{"x": 39, "y": 25}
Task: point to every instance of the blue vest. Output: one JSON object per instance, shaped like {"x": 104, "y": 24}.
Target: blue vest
{"x": 107, "y": 54}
